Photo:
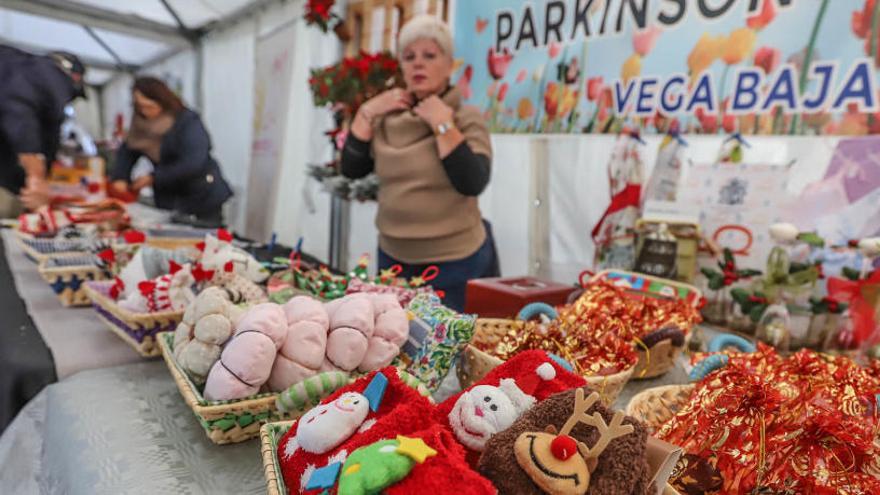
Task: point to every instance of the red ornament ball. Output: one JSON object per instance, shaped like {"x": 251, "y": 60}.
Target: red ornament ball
{"x": 563, "y": 447}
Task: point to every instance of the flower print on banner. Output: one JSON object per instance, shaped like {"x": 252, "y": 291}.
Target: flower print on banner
{"x": 502, "y": 92}
{"x": 768, "y": 59}
{"x": 499, "y": 62}
{"x": 631, "y": 68}
{"x": 644, "y": 41}
{"x": 525, "y": 110}
{"x": 738, "y": 46}
{"x": 864, "y": 28}
{"x": 523, "y": 74}
{"x": 764, "y": 17}
{"x": 704, "y": 53}
{"x": 464, "y": 82}
{"x": 594, "y": 88}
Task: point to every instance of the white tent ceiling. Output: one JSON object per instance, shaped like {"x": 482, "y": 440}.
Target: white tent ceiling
{"x": 113, "y": 35}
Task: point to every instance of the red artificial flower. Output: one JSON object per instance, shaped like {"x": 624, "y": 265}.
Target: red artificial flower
{"x": 224, "y": 235}
{"x": 595, "y": 85}
{"x": 499, "y": 62}
{"x": 764, "y": 17}
{"x": 229, "y": 267}
{"x": 767, "y": 58}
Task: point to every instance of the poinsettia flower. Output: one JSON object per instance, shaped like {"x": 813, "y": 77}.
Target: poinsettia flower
{"x": 767, "y": 58}
{"x": 644, "y": 40}
{"x": 499, "y": 62}
{"x": 764, "y": 17}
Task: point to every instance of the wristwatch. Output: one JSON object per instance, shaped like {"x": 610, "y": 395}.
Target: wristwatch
{"x": 445, "y": 127}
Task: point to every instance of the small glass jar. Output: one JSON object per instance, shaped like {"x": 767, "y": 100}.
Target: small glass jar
{"x": 774, "y": 328}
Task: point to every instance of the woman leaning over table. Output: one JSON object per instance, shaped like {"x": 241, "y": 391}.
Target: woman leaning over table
{"x": 432, "y": 156}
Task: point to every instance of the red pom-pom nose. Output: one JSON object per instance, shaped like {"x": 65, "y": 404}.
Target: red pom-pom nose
{"x": 563, "y": 447}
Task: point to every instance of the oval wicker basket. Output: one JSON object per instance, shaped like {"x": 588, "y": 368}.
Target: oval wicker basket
{"x": 475, "y": 364}
{"x": 658, "y": 405}
{"x": 139, "y": 330}
{"x": 660, "y": 358}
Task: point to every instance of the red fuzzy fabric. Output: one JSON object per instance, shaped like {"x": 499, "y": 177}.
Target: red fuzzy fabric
{"x": 524, "y": 363}
{"x": 446, "y": 472}
{"x": 402, "y": 412}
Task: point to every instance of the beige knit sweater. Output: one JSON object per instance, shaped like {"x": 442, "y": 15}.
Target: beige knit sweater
{"x": 421, "y": 217}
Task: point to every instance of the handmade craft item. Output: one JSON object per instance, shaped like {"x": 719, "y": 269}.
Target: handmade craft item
{"x": 208, "y": 323}
{"x": 569, "y": 444}
{"x": 495, "y": 402}
{"x": 376, "y": 435}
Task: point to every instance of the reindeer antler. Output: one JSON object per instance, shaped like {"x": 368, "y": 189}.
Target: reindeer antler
{"x": 607, "y": 432}
{"x": 580, "y": 408}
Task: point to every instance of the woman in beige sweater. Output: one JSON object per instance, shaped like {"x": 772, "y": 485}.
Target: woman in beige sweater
{"x": 432, "y": 156}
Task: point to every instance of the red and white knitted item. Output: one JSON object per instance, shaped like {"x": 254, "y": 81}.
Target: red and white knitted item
{"x": 170, "y": 292}
{"x": 344, "y": 422}
{"x": 403, "y": 294}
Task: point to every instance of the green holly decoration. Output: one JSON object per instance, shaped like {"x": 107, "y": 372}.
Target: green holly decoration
{"x": 812, "y": 239}
{"x": 728, "y": 273}
{"x": 825, "y": 305}
{"x": 752, "y": 304}
{"x": 371, "y": 469}
{"x": 852, "y": 273}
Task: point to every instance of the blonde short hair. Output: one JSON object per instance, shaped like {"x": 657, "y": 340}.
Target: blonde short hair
{"x": 425, "y": 27}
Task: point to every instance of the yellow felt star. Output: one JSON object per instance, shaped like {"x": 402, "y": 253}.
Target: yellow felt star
{"x": 414, "y": 448}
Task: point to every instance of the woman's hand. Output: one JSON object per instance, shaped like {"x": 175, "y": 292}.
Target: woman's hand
{"x": 390, "y": 101}
{"x": 434, "y": 111}
{"x": 35, "y": 193}
{"x": 119, "y": 186}
{"x": 142, "y": 182}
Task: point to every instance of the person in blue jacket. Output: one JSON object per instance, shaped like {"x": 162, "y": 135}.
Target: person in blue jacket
{"x": 34, "y": 89}
{"x": 186, "y": 178}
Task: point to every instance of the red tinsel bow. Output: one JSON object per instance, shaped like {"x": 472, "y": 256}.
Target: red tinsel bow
{"x": 134, "y": 237}
{"x": 861, "y": 296}
{"x": 202, "y": 275}
{"x": 147, "y": 287}
{"x": 107, "y": 255}
{"x": 117, "y": 289}
{"x": 173, "y": 267}
{"x": 224, "y": 235}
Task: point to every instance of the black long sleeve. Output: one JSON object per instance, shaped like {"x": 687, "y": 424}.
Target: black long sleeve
{"x": 467, "y": 171}
{"x": 356, "y": 159}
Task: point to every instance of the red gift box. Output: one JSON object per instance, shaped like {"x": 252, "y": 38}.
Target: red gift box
{"x": 505, "y": 297}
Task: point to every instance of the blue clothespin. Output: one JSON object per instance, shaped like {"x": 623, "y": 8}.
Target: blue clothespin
{"x": 637, "y": 136}
{"x": 674, "y": 134}
{"x": 739, "y": 138}
{"x": 272, "y": 241}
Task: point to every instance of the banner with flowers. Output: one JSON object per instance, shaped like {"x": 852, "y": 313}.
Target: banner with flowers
{"x": 698, "y": 66}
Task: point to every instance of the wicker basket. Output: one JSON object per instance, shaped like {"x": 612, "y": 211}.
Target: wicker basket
{"x": 139, "y": 330}
{"x": 270, "y": 434}
{"x": 67, "y": 277}
{"x": 475, "y": 364}
{"x": 658, "y": 405}
{"x": 660, "y": 358}
{"x": 39, "y": 250}
{"x": 236, "y": 421}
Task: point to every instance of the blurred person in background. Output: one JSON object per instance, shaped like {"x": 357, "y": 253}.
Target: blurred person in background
{"x": 186, "y": 178}
{"x": 34, "y": 91}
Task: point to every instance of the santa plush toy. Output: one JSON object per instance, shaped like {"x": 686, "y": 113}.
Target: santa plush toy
{"x": 494, "y": 403}
{"x": 391, "y": 425}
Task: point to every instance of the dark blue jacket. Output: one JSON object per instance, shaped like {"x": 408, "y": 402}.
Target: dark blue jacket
{"x": 187, "y": 178}
{"x": 33, "y": 94}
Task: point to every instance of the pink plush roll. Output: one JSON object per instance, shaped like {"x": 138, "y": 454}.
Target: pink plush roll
{"x": 390, "y": 333}
{"x": 303, "y": 352}
{"x": 247, "y": 359}
{"x": 351, "y": 326}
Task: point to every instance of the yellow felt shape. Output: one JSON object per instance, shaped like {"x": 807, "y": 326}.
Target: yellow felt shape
{"x": 414, "y": 448}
